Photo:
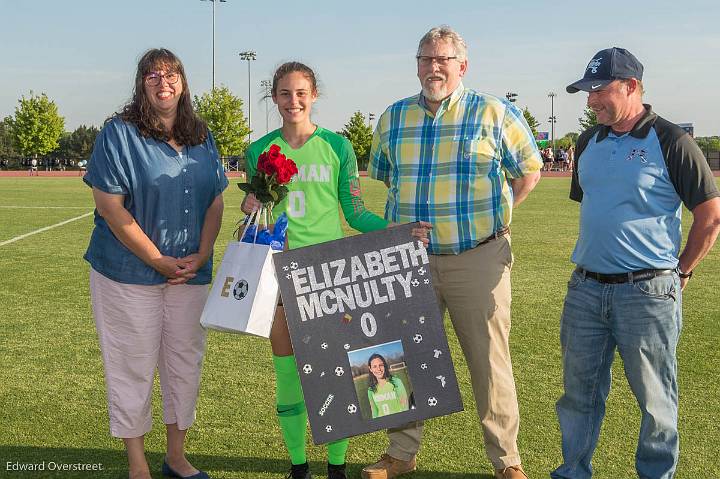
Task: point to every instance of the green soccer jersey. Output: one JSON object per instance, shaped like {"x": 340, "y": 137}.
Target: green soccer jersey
{"x": 388, "y": 399}
{"x": 327, "y": 175}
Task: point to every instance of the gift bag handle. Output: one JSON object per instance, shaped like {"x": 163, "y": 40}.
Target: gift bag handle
{"x": 251, "y": 219}
{"x": 258, "y": 217}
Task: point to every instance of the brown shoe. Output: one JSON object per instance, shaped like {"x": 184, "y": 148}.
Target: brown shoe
{"x": 511, "y": 472}
{"x": 388, "y": 467}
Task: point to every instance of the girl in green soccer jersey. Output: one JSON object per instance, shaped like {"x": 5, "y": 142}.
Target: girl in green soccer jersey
{"x": 386, "y": 393}
{"x": 327, "y": 175}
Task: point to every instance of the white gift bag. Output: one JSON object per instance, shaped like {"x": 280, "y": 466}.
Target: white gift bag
{"x": 245, "y": 292}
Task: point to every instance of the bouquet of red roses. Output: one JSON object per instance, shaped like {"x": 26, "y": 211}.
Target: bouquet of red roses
{"x": 274, "y": 171}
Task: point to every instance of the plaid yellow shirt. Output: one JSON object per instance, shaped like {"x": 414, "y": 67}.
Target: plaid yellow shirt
{"x": 453, "y": 168}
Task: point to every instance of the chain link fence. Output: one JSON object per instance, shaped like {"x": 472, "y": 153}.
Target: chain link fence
{"x": 713, "y": 158}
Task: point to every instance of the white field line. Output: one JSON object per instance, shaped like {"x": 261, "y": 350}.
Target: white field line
{"x": 18, "y": 238}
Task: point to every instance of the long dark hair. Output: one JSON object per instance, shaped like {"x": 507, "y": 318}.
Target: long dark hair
{"x": 387, "y": 375}
{"x": 189, "y": 128}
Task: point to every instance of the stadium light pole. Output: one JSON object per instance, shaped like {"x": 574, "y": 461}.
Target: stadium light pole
{"x": 213, "y": 37}
{"x": 552, "y": 96}
{"x": 511, "y": 97}
{"x": 248, "y": 55}
{"x": 371, "y": 117}
{"x": 267, "y": 85}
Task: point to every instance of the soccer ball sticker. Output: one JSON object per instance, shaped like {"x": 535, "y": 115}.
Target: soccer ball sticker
{"x": 339, "y": 371}
{"x": 307, "y": 369}
{"x": 352, "y": 409}
{"x": 240, "y": 290}
{"x": 432, "y": 402}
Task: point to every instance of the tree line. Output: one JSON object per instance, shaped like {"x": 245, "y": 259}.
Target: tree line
{"x": 37, "y": 129}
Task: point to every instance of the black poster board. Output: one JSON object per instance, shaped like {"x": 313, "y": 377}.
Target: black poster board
{"x": 367, "y": 333}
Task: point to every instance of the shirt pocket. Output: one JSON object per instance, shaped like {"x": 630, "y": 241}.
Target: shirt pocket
{"x": 479, "y": 155}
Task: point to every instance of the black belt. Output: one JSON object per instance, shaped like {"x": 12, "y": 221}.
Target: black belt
{"x": 499, "y": 233}
{"x": 632, "y": 276}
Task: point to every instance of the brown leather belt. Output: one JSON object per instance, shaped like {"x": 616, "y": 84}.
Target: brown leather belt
{"x": 498, "y": 234}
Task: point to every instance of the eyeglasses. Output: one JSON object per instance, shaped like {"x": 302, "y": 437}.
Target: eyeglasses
{"x": 154, "y": 78}
{"x": 427, "y": 61}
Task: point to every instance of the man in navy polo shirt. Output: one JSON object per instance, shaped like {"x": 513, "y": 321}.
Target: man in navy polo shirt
{"x": 634, "y": 171}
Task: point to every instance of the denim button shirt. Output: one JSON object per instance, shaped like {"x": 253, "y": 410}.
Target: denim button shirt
{"x": 168, "y": 194}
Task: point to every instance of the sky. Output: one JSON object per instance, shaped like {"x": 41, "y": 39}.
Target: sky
{"x": 83, "y": 54}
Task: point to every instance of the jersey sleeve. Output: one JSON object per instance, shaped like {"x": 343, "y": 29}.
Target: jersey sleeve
{"x": 350, "y": 194}
{"x": 108, "y": 166}
{"x": 688, "y": 169}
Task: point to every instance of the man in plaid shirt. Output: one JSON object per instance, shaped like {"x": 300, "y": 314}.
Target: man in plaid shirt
{"x": 460, "y": 160}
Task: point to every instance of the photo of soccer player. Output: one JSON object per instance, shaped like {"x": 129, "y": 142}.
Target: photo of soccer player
{"x": 381, "y": 379}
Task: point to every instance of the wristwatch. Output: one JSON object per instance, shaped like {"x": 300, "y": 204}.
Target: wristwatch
{"x": 682, "y": 274}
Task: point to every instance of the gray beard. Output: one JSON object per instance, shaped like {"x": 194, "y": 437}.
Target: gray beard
{"x": 438, "y": 96}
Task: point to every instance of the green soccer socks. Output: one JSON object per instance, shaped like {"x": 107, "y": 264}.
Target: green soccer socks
{"x": 292, "y": 414}
{"x": 336, "y": 452}
{"x": 291, "y": 411}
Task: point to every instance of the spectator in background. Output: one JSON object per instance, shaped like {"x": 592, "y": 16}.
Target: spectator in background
{"x": 563, "y": 157}
{"x": 571, "y": 158}
{"x": 548, "y": 158}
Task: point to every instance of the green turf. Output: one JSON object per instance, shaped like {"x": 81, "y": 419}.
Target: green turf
{"x": 52, "y": 396}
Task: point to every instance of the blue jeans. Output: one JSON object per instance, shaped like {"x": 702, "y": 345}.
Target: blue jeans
{"x": 643, "y": 321}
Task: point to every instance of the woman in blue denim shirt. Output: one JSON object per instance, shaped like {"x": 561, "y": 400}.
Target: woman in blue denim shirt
{"x": 157, "y": 182}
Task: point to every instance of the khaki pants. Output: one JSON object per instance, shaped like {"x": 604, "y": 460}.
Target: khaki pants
{"x": 141, "y": 328}
{"x": 474, "y": 287}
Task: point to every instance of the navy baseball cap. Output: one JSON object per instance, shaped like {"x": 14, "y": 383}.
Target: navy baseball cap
{"x": 607, "y": 65}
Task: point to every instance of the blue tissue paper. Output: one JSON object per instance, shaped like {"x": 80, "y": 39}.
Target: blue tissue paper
{"x": 276, "y": 239}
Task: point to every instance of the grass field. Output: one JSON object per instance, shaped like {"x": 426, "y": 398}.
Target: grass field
{"x": 52, "y": 396}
